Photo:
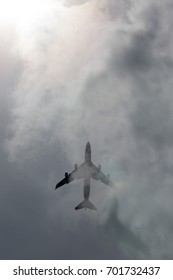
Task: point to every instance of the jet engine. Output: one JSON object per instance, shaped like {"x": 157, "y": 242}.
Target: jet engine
{"x": 66, "y": 175}
{"x": 99, "y": 167}
{"x": 75, "y": 166}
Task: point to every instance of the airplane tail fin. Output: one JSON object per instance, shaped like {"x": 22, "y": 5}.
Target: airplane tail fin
{"x": 85, "y": 204}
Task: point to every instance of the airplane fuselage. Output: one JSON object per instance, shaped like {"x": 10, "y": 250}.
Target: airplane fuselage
{"x": 86, "y": 187}
{"x": 87, "y": 173}
{"x": 88, "y": 153}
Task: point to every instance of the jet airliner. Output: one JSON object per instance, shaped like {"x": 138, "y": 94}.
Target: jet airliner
{"x": 86, "y": 170}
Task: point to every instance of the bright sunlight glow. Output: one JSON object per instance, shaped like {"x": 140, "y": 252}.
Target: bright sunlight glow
{"x": 24, "y": 14}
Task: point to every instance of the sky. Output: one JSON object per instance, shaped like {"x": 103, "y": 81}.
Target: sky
{"x": 75, "y": 71}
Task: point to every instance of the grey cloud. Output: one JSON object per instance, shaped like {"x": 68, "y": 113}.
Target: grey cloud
{"x": 116, "y": 9}
{"x": 11, "y": 68}
{"x": 140, "y": 57}
{"x": 105, "y": 83}
{"x": 146, "y": 122}
{"x": 75, "y": 2}
{"x": 151, "y": 122}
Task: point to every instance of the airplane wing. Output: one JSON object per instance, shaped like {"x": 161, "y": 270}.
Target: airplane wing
{"x": 78, "y": 173}
{"x": 97, "y": 174}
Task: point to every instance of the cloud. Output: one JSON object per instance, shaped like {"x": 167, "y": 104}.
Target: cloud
{"x": 75, "y": 2}
{"x": 99, "y": 71}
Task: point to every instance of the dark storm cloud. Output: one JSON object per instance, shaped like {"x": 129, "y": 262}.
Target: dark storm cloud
{"x": 107, "y": 81}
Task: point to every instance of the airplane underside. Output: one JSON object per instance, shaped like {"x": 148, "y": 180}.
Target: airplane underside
{"x": 86, "y": 203}
{"x": 86, "y": 170}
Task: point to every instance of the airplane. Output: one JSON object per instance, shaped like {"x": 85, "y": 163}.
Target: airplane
{"x": 86, "y": 171}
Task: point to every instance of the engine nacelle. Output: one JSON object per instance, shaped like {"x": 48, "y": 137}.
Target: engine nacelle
{"x": 66, "y": 175}
{"x": 99, "y": 167}
{"x": 75, "y": 166}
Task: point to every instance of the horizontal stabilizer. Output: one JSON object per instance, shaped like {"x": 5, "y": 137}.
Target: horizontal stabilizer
{"x": 86, "y": 204}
